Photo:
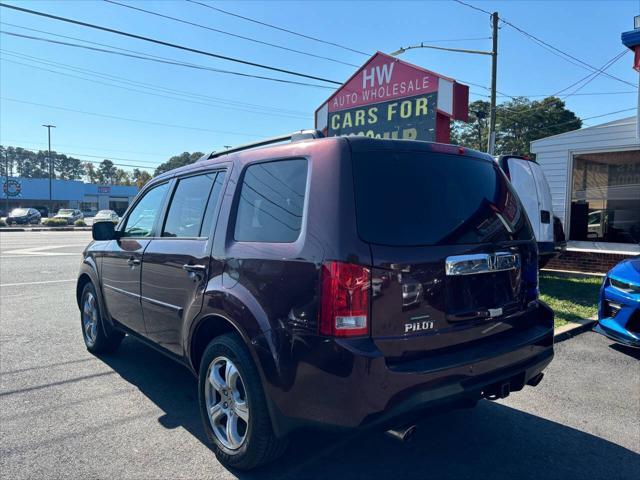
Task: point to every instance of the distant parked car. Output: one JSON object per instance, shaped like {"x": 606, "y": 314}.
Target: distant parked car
{"x": 44, "y": 211}
{"x": 106, "y": 216}
{"x": 23, "y": 216}
{"x": 69, "y": 214}
{"x": 619, "y": 305}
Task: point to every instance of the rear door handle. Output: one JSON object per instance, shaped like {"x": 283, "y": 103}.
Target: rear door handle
{"x": 194, "y": 268}
{"x": 132, "y": 262}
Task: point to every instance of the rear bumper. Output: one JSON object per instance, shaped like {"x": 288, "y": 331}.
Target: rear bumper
{"x": 348, "y": 384}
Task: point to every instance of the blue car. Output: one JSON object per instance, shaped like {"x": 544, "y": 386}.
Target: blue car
{"x": 619, "y": 305}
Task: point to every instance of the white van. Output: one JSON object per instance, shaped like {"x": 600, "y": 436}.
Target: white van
{"x": 531, "y": 185}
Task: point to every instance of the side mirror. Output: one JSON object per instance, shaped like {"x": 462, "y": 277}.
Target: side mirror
{"x": 104, "y": 231}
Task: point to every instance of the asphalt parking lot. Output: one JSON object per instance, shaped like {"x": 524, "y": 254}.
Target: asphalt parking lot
{"x": 67, "y": 414}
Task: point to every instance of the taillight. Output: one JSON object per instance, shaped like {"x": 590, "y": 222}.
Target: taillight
{"x": 344, "y": 300}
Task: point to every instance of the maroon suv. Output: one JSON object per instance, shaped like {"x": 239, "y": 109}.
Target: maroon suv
{"x": 344, "y": 282}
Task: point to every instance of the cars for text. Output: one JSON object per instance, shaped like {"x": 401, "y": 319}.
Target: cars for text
{"x": 342, "y": 282}
{"x": 619, "y": 305}
{"x": 23, "y": 216}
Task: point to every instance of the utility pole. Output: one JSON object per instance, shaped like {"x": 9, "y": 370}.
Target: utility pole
{"x": 49, "y": 127}
{"x": 494, "y": 70}
{"x": 6, "y": 183}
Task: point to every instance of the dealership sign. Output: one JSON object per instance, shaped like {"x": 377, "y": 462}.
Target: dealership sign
{"x": 389, "y": 98}
{"x": 12, "y": 188}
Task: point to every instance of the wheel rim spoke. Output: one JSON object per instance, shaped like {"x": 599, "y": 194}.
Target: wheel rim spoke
{"x": 216, "y": 413}
{"x": 233, "y": 437}
{"x": 216, "y": 380}
{"x": 231, "y": 375}
{"x": 242, "y": 410}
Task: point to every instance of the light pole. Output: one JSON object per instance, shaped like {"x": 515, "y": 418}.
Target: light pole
{"x": 49, "y": 127}
{"x": 6, "y": 183}
{"x": 494, "y": 69}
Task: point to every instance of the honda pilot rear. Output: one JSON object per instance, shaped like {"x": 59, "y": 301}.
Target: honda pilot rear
{"x": 345, "y": 282}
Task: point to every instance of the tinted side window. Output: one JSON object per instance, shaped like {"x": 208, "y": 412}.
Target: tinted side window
{"x": 187, "y": 207}
{"x": 271, "y": 202}
{"x": 141, "y": 219}
{"x": 214, "y": 197}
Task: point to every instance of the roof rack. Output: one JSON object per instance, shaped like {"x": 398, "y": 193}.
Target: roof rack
{"x": 293, "y": 137}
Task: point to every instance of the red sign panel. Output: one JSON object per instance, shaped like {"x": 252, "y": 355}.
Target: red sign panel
{"x": 382, "y": 79}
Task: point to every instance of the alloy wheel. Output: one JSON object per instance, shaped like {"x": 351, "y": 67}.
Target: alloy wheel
{"x": 226, "y": 402}
{"x": 90, "y": 319}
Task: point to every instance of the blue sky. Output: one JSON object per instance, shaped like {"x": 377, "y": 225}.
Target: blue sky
{"x": 229, "y": 110}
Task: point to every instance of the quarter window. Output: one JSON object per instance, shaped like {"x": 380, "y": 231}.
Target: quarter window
{"x": 271, "y": 202}
{"x": 188, "y": 205}
{"x": 143, "y": 216}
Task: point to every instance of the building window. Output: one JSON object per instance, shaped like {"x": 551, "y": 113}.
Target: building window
{"x": 605, "y": 197}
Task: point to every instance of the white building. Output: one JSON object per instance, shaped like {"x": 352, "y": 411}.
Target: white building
{"x": 594, "y": 175}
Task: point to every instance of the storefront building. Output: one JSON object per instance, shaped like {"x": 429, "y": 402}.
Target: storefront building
{"x": 88, "y": 197}
{"x": 594, "y": 175}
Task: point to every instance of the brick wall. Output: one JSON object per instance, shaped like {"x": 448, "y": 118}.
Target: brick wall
{"x": 592, "y": 262}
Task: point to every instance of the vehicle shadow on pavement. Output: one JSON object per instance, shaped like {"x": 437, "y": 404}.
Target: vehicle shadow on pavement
{"x": 492, "y": 440}
{"x": 632, "y": 352}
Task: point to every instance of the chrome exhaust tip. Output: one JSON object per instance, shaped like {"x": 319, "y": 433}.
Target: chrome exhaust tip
{"x": 403, "y": 434}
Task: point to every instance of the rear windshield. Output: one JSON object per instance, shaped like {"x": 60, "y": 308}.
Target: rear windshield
{"x": 419, "y": 198}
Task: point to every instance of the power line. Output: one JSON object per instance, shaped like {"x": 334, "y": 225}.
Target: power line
{"x": 589, "y": 78}
{"x": 33, "y": 142}
{"x": 592, "y": 76}
{"x": 87, "y": 71}
{"x": 154, "y": 58}
{"x": 302, "y": 35}
{"x": 547, "y": 127}
{"x": 473, "y": 7}
{"x": 551, "y": 48}
{"x": 581, "y": 62}
{"x": 135, "y": 120}
{"x": 250, "y": 39}
{"x": 168, "y": 44}
{"x": 145, "y": 91}
{"x": 144, "y": 167}
{"x": 574, "y": 94}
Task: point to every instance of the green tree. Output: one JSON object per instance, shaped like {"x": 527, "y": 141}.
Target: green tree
{"x": 67, "y": 168}
{"x": 518, "y": 123}
{"x": 140, "y": 177}
{"x": 521, "y": 121}
{"x": 107, "y": 172}
{"x": 473, "y": 134}
{"x": 91, "y": 173}
{"x": 185, "y": 158}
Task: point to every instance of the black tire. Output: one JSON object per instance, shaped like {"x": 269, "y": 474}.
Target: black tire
{"x": 106, "y": 339}
{"x": 260, "y": 445}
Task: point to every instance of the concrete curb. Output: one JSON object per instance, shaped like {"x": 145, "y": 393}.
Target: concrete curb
{"x": 45, "y": 229}
{"x": 574, "y": 328}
